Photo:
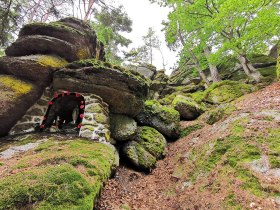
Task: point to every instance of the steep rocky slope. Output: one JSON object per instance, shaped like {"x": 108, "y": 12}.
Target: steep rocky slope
{"x": 232, "y": 164}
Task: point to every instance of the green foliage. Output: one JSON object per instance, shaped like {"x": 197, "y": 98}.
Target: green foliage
{"x": 108, "y": 24}
{"x": 232, "y": 27}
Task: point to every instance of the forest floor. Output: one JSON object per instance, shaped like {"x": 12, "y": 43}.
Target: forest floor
{"x": 171, "y": 184}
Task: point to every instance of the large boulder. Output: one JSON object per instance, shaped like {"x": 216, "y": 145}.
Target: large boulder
{"x": 123, "y": 90}
{"x": 151, "y": 140}
{"x": 226, "y": 91}
{"x": 36, "y": 68}
{"x": 122, "y": 127}
{"x": 69, "y": 38}
{"x": 187, "y": 107}
{"x": 16, "y": 97}
{"x": 165, "y": 120}
{"x": 54, "y": 172}
{"x": 138, "y": 156}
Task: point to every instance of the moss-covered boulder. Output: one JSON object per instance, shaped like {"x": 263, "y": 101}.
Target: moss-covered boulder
{"x": 187, "y": 107}
{"x": 59, "y": 172}
{"x": 69, "y": 38}
{"x": 122, "y": 127}
{"x": 164, "y": 119}
{"x": 16, "y": 97}
{"x": 226, "y": 91}
{"x": 217, "y": 113}
{"x": 123, "y": 90}
{"x": 137, "y": 155}
{"x": 152, "y": 141}
{"x": 35, "y": 68}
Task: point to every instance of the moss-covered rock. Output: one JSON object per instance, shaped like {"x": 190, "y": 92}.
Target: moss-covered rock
{"x": 226, "y": 91}
{"x": 138, "y": 156}
{"x": 152, "y": 141}
{"x": 69, "y": 38}
{"x": 165, "y": 120}
{"x": 217, "y": 113}
{"x": 60, "y": 173}
{"x": 122, "y": 127}
{"x": 35, "y": 68}
{"x": 187, "y": 107}
{"x": 16, "y": 97}
{"x": 124, "y": 91}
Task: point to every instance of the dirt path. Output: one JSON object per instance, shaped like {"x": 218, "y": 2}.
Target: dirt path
{"x": 165, "y": 189}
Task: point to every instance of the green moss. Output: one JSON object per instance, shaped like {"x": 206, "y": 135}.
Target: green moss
{"x": 58, "y": 179}
{"x": 261, "y": 59}
{"x": 250, "y": 182}
{"x": 226, "y": 91}
{"x": 107, "y": 66}
{"x": 139, "y": 156}
{"x": 56, "y": 25}
{"x": 52, "y": 61}
{"x": 218, "y": 113}
{"x": 231, "y": 202}
{"x": 101, "y": 118}
{"x": 166, "y": 114}
{"x": 18, "y": 86}
{"x": 190, "y": 129}
{"x": 152, "y": 141}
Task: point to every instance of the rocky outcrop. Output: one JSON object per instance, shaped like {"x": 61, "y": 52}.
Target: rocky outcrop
{"x": 122, "y": 127}
{"x": 35, "y": 68}
{"x": 16, "y": 97}
{"x": 138, "y": 156}
{"x": 146, "y": 70}
{"x": 69, "y": 38}
{"x": 152, "y": 141}
{"x": 187, "y": 107}
{"x": 54, "y": 172}
{"x": 121, "y": 89}
{"x": 226, "y": 91}
{"x": 165, "y": 120}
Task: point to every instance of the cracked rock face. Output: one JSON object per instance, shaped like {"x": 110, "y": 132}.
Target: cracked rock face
{"x": 69, "y": 38}
{"x": 123, "y": 91}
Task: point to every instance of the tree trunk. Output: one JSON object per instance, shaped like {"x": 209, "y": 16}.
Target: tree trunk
{"x": 88, "y": 12}
{"x": 213, "y": 68}
{"x": 200, "y": 71}
{"x": 248, "y": 68}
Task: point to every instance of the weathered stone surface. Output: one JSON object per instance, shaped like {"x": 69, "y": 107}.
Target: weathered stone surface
{"x": 68, "y": 174}
{"x": 138, "y": 156}
{"x": 145, "y": 69}
{"x": 16, "y": 97}
{"x": 151, "y": 140}
{"x": 165, "y": 120}
{"x": 187, "y": 107}
{"x": 39, "y": 44}
{"x": 122, "y": 90}
{"x": 122, "y": 127}
{"x": 35, "y": 68}
{"x": 69, "y": 38}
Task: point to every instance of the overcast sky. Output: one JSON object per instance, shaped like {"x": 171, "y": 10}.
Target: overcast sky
{"x": 145, "y": 15}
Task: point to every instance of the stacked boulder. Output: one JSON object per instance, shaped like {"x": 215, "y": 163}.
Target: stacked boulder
{"x": 39, "y": 51}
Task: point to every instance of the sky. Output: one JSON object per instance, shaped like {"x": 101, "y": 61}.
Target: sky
{"x": 145, "y": 15}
